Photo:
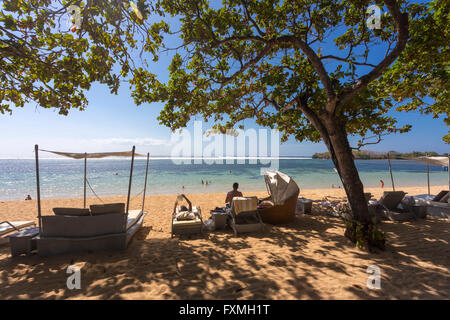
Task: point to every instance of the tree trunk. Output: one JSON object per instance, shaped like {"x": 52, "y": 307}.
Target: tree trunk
{"x": 342, "y": 157}
{"x": 360, "y": 230}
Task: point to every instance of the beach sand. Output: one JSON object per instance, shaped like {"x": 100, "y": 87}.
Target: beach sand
{"x": 307, "y": 259}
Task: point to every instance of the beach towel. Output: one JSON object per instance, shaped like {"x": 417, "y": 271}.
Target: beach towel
{"x": 244, "y": 204}
{"x": 185, "y": 215}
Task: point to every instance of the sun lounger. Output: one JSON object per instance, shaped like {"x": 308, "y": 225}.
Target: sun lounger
{"x": 23, "y": 241}
{"x": 440, "y": 196}
{"x": 245, "y": 216}
{"x": 391, "y": 199}
{"x": 393, "y": 206}
{"x": 189, "y": 222}
{"x": 7, "y": 227}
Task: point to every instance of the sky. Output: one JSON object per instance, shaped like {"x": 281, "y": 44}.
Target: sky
{"x": 115, "y": 123}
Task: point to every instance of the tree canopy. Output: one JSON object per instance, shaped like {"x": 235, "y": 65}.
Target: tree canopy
{"x": 238, "y": 59}
{"x": 49, "y": 58}
{"x": 267, "y": 59}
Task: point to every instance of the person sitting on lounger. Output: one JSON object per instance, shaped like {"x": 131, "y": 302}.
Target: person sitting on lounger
{"x": 233, "y": 193}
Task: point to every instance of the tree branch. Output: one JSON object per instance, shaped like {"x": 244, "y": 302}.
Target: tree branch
{"x": 247, "y": 13}
{"x": 251, "y": 62}
{"x": 361, "y": 142}
{"x": 346, "y": 60}
{"x": 317, "y": 65}
{"x": 401, "y": 21}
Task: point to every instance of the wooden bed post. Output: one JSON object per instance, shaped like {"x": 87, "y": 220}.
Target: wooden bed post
{"x": 85, "y": 164}
{"x": 131, "y": 177}
{"x": 145, "y": 183}
{"x": 38, "y": 188}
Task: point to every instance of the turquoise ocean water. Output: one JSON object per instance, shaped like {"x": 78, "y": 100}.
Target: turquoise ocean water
{"x": 61, "y": 178}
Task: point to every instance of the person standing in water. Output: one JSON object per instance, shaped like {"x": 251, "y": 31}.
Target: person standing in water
{"x": 382, "y": 184}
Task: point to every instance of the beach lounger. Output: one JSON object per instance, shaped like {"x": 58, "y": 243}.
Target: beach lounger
{"x": 390, "y": 206}
{"x": 7, "y": 227}
{"x": 186, "y": 222}
{"x": 441, "y": 196}
{"x": 391, "y": 199}
{"x": 244, "y": 215}
{"x": 23, "y": 241}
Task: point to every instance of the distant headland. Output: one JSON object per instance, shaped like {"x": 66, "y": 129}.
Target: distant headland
{"x": 374, "y": 155}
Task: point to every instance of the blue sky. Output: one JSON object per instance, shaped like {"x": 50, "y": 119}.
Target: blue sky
{"x": 113, "y": 123}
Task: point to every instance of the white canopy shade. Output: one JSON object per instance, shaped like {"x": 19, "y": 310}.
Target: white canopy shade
{"x": 437, "y": 161}
{"x": 281, "y": 186}
{"x": 94, "y": 155}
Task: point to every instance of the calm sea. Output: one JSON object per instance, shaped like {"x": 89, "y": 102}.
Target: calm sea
{"x": 62, "y": 178}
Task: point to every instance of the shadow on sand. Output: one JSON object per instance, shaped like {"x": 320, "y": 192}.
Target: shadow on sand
{"x": 285, "y": 261}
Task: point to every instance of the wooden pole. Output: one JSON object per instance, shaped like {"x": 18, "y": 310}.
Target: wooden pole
{"x": 38, "y": 187}
{"x": 428, "y": 176}
{"x": 390, "y": 170}
{"x": 85, "y": 165}
{"x": 145, "y": 183}
{"x": 131, "y": 177}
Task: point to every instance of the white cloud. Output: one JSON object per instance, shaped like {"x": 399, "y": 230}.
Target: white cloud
{"x": 133, "y": 141}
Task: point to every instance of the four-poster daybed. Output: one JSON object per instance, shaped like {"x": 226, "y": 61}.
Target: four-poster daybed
{"x": 435, "y": 206}
{"x": 102, "y": 227}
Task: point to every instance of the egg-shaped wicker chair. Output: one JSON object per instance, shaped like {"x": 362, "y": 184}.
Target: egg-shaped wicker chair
{"x": 283, "y": 193}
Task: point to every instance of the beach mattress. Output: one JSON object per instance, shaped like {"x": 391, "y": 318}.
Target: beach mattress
{"x": 194, "y": 222}
{"x": 133, "y": 217}
{"x": 438, "y": 209}
{"x": 6, "y": 228}
{"x": 434, "y": 208}
{"x": 187, "y": 226}
{"x": 131, "y": 231}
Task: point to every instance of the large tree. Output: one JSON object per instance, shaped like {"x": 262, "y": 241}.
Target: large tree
{"x": 312, "y": 69}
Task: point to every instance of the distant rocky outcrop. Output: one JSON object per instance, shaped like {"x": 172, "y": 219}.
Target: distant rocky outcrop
{"x": 372, "y": 155}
